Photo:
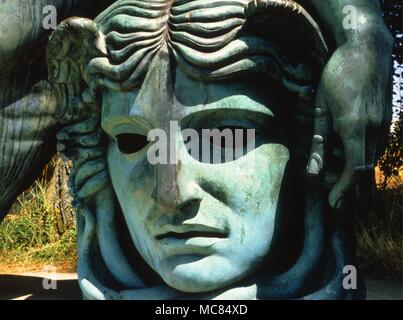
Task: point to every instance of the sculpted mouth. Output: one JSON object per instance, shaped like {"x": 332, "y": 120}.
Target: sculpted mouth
{"x": 191, "y": 231}
{"x": 191, "y": 234}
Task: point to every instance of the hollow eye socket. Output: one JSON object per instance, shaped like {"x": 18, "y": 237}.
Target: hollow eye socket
{"x": 239, "y": 136}
{"x": 130, "y": 143}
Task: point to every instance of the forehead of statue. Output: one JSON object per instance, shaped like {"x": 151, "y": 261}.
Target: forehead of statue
{"x": 169, "y": 94}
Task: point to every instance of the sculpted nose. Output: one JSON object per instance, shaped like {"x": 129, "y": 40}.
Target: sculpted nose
{"x": 166, "y": 192}
{"x": 173, "y": 189}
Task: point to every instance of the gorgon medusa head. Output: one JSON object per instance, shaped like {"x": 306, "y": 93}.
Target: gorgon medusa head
{"x": 274, "y": 223}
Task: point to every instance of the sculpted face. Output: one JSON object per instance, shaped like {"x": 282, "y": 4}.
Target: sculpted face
{"x": 200, "y": 226}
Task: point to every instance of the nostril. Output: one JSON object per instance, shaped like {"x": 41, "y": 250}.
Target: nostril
{"x": 189, "y": 208}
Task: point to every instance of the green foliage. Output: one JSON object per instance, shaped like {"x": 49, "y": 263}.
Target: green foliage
{"x": 30, "y": 234}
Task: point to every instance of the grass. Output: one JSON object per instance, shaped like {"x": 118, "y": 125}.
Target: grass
{"x": 379, "y": 235}
{"x": 31, "y": 237}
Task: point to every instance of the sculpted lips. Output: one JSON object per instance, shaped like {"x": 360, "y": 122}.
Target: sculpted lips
{"x": 191, "y": 239}
{"x": 192, "y": 231}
